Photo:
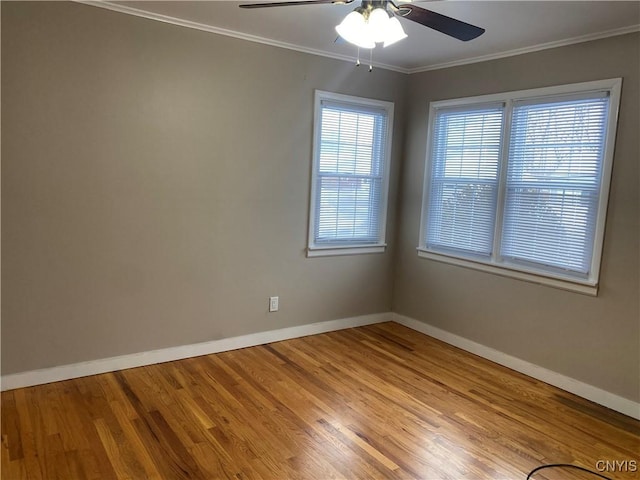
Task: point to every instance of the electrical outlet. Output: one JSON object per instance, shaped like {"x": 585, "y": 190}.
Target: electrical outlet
{"x": 273, "y": 304}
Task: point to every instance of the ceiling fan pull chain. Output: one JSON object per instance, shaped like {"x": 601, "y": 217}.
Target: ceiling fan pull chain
{"x": 358, "y": 59}
{"x": 370, "y": 60}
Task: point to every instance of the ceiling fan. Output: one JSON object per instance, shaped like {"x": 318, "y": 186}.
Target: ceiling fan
{"x": 374, "y": 21}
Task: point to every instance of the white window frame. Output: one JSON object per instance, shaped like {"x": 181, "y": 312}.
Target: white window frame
{"x": 348, "y": 248}
{"x": 494, "y": 264}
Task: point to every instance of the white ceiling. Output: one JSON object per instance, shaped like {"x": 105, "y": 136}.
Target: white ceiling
{"x": 511, "y": 27}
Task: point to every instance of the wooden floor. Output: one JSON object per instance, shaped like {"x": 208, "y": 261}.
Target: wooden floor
{"x": 380, "y": 401}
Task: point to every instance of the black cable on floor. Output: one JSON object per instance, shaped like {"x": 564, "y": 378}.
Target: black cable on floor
{"x": 565, "y": 465}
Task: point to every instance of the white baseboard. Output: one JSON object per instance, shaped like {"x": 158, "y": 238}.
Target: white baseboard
{"x": 597, "y": 395}
{"x": 93, "y": 367}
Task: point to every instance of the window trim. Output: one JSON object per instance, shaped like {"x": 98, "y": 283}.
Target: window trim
{"x": 348, "y": 248}
{"x": 495, "y": 265}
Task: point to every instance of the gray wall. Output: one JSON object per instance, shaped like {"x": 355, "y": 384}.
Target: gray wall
{"x": 595, "y": 340}
{"x": 155, "y": 187}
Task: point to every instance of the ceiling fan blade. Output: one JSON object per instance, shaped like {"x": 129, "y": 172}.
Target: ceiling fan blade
{"x": 291, "y": 3}
{"x": 447, "y": 25}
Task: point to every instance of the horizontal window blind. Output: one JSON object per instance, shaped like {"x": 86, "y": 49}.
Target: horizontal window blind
{"x": 350, "y": 173}
{"x": 553, "y": 181}
{"x": 517, "y": 183}
{"x": 465, "y": 155}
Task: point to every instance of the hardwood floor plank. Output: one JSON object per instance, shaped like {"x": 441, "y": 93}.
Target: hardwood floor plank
{"x": 28, "y": 438}
{"x": 57, "y": 467}
{"x": 86, "y": 395}
{"x": 130, "y": 436}
{"x": 12, "y": 440}
{"x": 374, "y": 402}
{"x": 123, "y": 472}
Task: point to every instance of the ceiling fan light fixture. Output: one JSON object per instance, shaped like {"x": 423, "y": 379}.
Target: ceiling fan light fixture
{"x": 366, "y": 27}
{"x": 354, "y": 29}
{"x": 394, "y": 32}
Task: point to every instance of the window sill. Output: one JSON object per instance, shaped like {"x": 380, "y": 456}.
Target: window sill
{"x": 511, "y": 272}
{"x": 350, "y": 250}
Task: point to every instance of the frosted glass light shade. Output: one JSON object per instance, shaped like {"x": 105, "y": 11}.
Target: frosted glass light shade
{"x": 354, "y": 29}
{"x": 378, "y": 24}
{"x": 394, "y": 32}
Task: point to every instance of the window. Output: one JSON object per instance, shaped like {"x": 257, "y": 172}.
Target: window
{"x": 517, "y": 183}
{"x": 350, "y": 180}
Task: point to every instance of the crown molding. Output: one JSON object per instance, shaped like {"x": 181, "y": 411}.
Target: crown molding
{"x": 275, "y": 43}
{"x": 229, "y": 33}
{"x": 533, "y": 48}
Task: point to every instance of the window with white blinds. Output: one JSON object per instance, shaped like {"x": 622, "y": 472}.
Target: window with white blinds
{"x": 556, "y": 154}
{"x": 352, "y": 141}
{"x": 517, "y": 183}
{"x": 464, "y": 179}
